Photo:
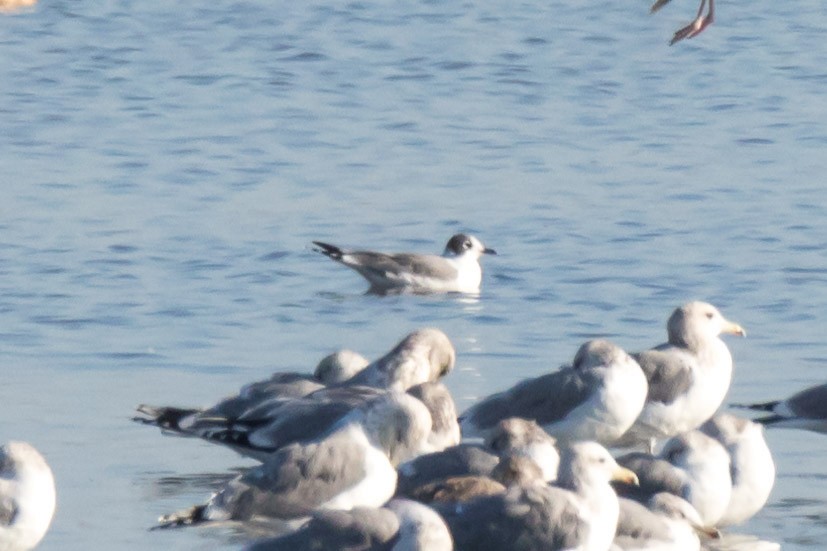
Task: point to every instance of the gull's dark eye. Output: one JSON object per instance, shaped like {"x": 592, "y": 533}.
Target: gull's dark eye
{"x": 467, "y": 244}
{"x": 710, "y": 315}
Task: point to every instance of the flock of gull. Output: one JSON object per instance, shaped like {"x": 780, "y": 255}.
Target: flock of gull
{"x": 364, "y": 455}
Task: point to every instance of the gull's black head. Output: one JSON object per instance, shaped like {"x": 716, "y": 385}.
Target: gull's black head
{"x": 463, "y": 243}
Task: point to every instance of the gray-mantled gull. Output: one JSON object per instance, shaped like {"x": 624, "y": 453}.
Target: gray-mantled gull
{"x": 354, "y": 465}
{"x": 460, "y": 460}
{"x": 806, "y": 410}
{"x": 666, "y": 523}
{"x": 426, "y": 355}
{"x": 516, "y": 436}
{"x": 262, "y": 426}
{"x": 332, "y": 369}
{"x": 597, "y": 398}
{"x": 445, "y": 427}
{"x": 581, "y": 513}
{"x": 262, "y": 430}
{"x": 27, "y": 496}
{"x": 456, "y": 271}
{"x": 688, "y": 376}
{"x": 511, "y": 437}
{"x": 692, "y": 466}
{"x": 401, "y": 525}
{"x": 752, "y": 468}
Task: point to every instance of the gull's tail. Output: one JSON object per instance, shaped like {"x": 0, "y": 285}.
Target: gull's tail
{"x": 327, "y": 249}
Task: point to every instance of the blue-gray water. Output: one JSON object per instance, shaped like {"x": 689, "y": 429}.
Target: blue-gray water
{"x": 164, "y": 166}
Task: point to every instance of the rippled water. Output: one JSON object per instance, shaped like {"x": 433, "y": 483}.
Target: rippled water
{"x": 165, "y": 166}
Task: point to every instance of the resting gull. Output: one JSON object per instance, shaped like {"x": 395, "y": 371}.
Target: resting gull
{"x": 264, "y": 424}
{"x": 510, "y": 438}
{"x": 426, "y": 355}
{"x": 354, "y": 465}
{"x": 332, "y": 369}
{"x": 27, "y": 496}
{"x": 401, "y": 525}
{"x": 666, "y": 523}
{"x": 752, "y": 469}
{"x": 692, "y": 466}
{"x": 688, "y": 376}
{"x": 516, "y": 436}
{"x": 597, "y": 398}
{"x": 273, "y": 425}
{"x": 806, "y": 409}
{"x": 444, "y": 425}
{"x": 456, "y": 271}
{"x": 460, "y": 460}
{"x": 580, "y": 513}
{"x": 514, "y": 470}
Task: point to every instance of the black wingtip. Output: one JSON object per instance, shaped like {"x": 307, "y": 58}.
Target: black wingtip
{"x": 167, "y": 418}
{"x": 187, "y": 517}
{"x": 327, "y": 249}
{"x": 763, "y": 406}
{"x": 770, "y": 419}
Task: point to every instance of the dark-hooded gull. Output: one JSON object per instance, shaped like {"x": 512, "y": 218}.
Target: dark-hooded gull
{"x": 688, "y": 376}
{"x": 456, "y": 271}
{"x": 27, "y": 496}
{"x": 692, "y": 466}
{"x": 806, "y": 410}
{"x": 581, "y": 513}
{"x": 401, "y": 525}
{"x": 354, "y": 465}
{"x": 597, "y": 398}
{"x": 752, "y": 469}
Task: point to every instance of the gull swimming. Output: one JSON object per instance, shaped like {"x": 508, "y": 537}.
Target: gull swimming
{"x": 806, "y": 410}
{"x": 456, "y": 271}
{"x": 688, "y": 376}
{"x": 580, "y": 513}
{"x": 27, "y": 496}
{"x": 692, "y": 466}
{"x": 401, "y": 525}
{"x": 752, "y": 468}
{"x": 597, "y": 398}
{"x": 354, "y": 465}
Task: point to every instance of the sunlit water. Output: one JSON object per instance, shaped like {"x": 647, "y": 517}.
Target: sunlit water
{"x": 165, "y": 165}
